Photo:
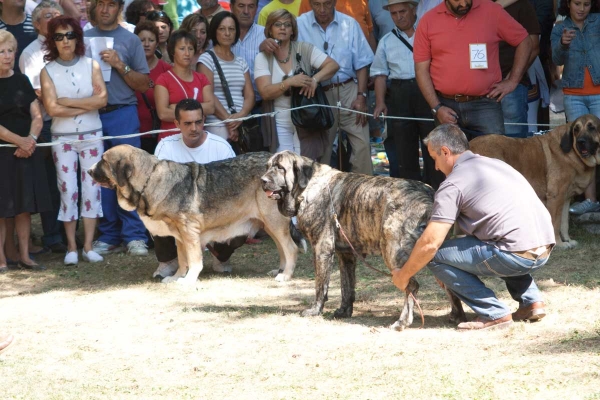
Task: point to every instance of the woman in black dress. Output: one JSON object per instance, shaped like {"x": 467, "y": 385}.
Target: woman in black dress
{"x": 23, "y": 188}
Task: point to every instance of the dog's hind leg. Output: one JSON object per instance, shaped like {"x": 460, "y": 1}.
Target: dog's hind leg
{"x": 348, "y": 282}
{"x": 288, "y": 251}
{"x": 457, "y": 313}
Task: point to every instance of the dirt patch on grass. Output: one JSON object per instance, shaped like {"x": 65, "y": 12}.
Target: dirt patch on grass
{"x": 109, "y": 331}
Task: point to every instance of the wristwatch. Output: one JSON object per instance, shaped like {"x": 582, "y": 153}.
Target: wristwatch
{"x": 126, "y": 69}
{"x": 435, "y": 109}
{"x": 364, "y": 94}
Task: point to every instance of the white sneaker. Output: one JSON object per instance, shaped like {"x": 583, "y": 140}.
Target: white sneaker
{"x": 585, "y": 206}
{"x": 137, "y": 248}
{"x": 166, "y": 268}
{"x": 219, "y": 266}
{"x": 72, "y": 258}
{"x": 100, "y": 247}
{"x": 91, "y": 256}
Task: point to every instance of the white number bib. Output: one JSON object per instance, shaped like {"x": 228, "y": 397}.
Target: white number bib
{"x": 478, "y": 55}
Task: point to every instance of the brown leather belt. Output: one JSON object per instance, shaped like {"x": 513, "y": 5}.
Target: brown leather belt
{"x": 531, "y": 256}
{"x": 111, "y": 107}
{"x": 334, "y": 85}
{"x": 459, "y": 98}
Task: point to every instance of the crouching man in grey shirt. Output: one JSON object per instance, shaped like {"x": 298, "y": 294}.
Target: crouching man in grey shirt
{"x": 508, "y": 230}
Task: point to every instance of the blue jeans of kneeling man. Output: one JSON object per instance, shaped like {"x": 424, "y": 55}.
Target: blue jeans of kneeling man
{"x": 459, "y": 263}
{"x": 119, "y": 226}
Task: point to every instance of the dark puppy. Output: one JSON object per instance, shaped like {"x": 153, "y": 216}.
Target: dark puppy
{"x": 379, "y": 215}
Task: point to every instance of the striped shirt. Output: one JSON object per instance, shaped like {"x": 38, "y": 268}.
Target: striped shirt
{"x": 247, "y": 48}
{"x": 234, "y": 73}
{"x": 24, "y": 33}
{"x": 392, "y": 58}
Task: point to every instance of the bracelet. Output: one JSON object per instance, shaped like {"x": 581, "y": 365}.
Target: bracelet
{"x": 34, "y": 137}
{"x": 315, "y": 80}
{"x": 282, "y": 87}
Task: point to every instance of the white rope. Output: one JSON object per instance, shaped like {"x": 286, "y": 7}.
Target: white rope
{"x": 271, "y": 114}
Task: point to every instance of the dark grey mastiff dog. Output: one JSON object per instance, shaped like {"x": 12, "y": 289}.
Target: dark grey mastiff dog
{"x": 379, "y": 215}
{"x": 197, "y": 204}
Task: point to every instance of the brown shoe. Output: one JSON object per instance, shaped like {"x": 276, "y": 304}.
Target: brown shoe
{"x": 481, "y": 324}
{"x": 533, "y": 312}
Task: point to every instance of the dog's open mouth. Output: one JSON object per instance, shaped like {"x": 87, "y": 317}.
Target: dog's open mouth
{"x": 273, "y": 194}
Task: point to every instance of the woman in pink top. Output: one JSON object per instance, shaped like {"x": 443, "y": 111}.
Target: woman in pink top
{"x": 182, "y": 82}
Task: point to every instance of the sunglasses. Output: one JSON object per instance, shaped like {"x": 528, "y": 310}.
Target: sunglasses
{"x": 288, "y": 92}
{"x": 155, "y": 14}
{"x": 59, "y": 37}
{"x": 284, "y": 24}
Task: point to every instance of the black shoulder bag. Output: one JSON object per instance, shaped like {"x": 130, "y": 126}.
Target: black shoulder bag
{"x": 249, "y": 134}
{"x": 155, "y": 120}
{"x": 310, "y": 118}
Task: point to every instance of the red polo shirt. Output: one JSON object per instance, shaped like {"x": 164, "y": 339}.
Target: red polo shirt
{"x": 444, "y": 39}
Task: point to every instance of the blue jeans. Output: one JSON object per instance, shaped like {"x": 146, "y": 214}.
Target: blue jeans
{"x": 576, "y": 106}
{"x": 459, "y": 263}
{"x": 119, "y": 225}
{"x": 514, "y": 108}
{"x": 477, "y": 117}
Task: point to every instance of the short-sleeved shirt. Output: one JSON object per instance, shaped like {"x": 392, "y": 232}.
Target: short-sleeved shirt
{"x": 261, "y": 68}
{"x": 346, "y": 43}
{"x": 524, "y": 13}
{"x": 24, "y": 33}
{"x": 444, "y": 40}
{"x": 393, "y": 58}
{"x": 130, "y": 51}
{"x": 180, "y": 90}
{"x": 214, "y": 148}
{"x": 247, "y": 48}
{"x": 234, "y": 74}
{"x": 293, "y": 8}
{"x": 143, "y": 111}
{"x": 357, "y": 9}
{"x": 16, "y": 96}
{"x": 493, "y": 202}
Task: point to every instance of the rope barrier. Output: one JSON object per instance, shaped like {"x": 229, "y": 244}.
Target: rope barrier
{"x": 271, "y": 114}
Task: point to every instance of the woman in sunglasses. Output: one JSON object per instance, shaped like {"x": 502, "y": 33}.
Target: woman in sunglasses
{"x": 274, "y": 76}
{"x": 73, "y": 90}
{"x": 165, "y": 26}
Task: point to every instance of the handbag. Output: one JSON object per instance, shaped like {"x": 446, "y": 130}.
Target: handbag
{"x": 156, "y": 122}
{"x": 310, "y": 118}
{"x": 249, "y": 133}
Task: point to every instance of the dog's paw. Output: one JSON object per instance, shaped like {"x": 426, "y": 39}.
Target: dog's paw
{"x": 399, "y": 326}
{"x": 311, "y": 312}
{"x": 571, "y": 244}
{"x": 178, "y": 280}
{"x": 274, "y": 272}
{"x": 342, "y": 312}
{"x": 281, "y": 277}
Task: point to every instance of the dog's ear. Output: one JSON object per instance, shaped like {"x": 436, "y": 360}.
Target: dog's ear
{"x": 122, "y": 172}
{"x": 303, "y": 172}
{"x": 566, "y": 142}
{"x": 287, "y": 162}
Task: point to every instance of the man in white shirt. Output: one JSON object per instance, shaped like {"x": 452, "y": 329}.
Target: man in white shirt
{"x": 193, "y": 144}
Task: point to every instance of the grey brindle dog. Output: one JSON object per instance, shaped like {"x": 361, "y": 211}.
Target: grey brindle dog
{"x": 379, "y": 215}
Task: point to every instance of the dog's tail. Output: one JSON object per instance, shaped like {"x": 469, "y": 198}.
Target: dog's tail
{"x": 297, "y": 237}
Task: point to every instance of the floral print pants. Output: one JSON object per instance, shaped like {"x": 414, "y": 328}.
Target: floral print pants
{"x": 67, "y": 156}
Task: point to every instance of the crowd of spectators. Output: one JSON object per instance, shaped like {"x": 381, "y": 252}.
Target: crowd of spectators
{"x": 75, "y": 69}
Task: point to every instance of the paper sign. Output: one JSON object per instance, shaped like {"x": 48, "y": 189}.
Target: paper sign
{"x": 478, "y": 55}
{"x": 96, "y": 45}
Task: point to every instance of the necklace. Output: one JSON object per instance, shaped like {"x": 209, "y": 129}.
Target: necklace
{"x": 288, "y": 56}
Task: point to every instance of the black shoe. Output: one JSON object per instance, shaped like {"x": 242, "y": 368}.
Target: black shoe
{"x": 32, "y": 267}
{"x": 58, "y": 248}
